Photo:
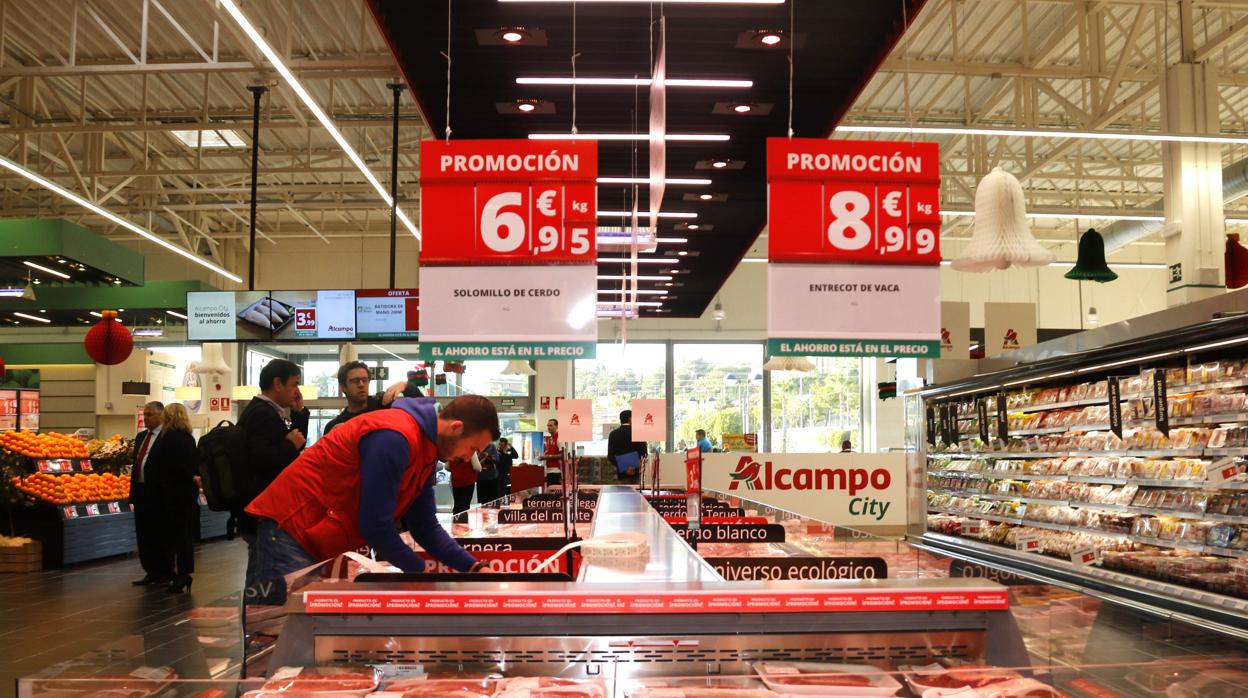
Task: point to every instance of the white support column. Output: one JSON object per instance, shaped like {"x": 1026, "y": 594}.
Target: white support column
{"x": 553, "y": 380}
{"x": 1193, "y": 186}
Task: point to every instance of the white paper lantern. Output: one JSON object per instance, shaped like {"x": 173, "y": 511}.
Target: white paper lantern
{"x": 1002, "y": 238}
{"x": 788, "y": 363}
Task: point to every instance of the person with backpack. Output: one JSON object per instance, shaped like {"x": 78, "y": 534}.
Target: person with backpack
{"x": 271, "y": 443}
{"x": 351, "y": 488}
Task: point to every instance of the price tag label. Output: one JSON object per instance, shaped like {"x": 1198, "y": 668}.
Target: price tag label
{"x": 1161, "y": 406}
{"x": 1221, "y": 471}
{"x": 70, "y": 512}
{"x": 93, "y": 509}
{"x": 508, "y": 202}
{"x": 85, "y": 466}
{"x": 1028, "y": 543}
{"x": 114, "y": 507}
{"x": 1115, "y": 406}
{"x": 1084, "y": 557}
{"x": 981, "y": 413}
{"x": 867, "y": 202}
{"x": 973, "y": 528}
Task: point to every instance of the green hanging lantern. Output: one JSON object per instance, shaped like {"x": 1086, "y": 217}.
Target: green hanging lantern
{"x": 1090, "y": 265}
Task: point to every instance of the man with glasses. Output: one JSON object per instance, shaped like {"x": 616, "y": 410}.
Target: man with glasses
{"x": 353, "y": 380}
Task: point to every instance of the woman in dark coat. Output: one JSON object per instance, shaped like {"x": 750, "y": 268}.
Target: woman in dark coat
{"x": 177, "y": 466}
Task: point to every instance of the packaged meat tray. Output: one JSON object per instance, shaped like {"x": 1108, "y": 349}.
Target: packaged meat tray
{"x": 1154, "y": 678}
{"x": 430, "y": 687}
{"x": 1211, "y": 683}
{"x": 289, "y": 679}
{"x": 698, "y": 692}
{"x": 549, "y": 687}
{"x": 813, "y": 678}
{"x": 943, "y": 679}
{"x": 1019, "y": 688}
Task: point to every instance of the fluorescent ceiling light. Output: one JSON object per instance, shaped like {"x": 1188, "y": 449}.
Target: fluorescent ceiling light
{"x": 148, "y": 332}
{"x": 669, "y": 2}
{"x": 210, "y": 139}
{"x": 1124, "y": 265}
{"x": 631, "y": 304}
{"x": 755, "y": 260}
{"x": 36, "y": 318}
{"x": 1141, "y": 359}
{"x": 627, "y": 260}
{"x": 671, "y": 241}
{"x": 232, "y": 7}
{"x": 646, "y": 180}
{"x": 94, "y": 314}
{"x": 11, "y": 292}
{"x": 639, "y": 277}
{"x": 703, "y": 137}
{"x": 639, "y": 292}
{"x": 633, "y": 82}
{"x": 1080, "y": 214}
{"x": 1034, "y": 133}
{"x": 642, "y": 214}
{"x": 176, "y": 314}
{"x": 1236, "y": 221}
{"x": 46, "y": 270}
{"x": 1223, "y": 343}
{"x": 52, "y": 186}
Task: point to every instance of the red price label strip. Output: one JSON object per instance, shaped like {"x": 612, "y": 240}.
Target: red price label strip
{"x": 751, "y": 601}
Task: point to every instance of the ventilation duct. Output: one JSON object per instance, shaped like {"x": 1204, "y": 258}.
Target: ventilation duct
{"x": 1122, "y": 233}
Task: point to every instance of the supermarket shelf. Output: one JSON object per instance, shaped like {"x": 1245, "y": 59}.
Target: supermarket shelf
{"x": 1121, "y": 453}
{"x": 1216, "y": 612}
{"x": 1090, "y": 479}
{"x": 1122, "y": 508}
{"x": 1061, "y": 405}
{"x": 1157, "y": 542}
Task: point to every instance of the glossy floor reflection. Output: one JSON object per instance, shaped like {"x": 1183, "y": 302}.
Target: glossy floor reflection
{"x": 69, "y": 614}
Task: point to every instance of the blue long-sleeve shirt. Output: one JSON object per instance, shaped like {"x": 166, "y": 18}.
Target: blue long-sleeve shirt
{"x": 384, "y": 456}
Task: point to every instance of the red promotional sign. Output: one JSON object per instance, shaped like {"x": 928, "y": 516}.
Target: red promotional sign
{"x": 693, "y": 471}
{"x": 863, "y": 202}
{"x": 659, "y": 601}
{"x": 508, "y": 202}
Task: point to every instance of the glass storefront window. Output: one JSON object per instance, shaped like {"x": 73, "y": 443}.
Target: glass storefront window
{"x": 619, "y": 374}
{"x": 719, "y": 388}
{"x": 323, "y": 375}
{"x": 814, "y": 411}
{"x": 486, "y": 378}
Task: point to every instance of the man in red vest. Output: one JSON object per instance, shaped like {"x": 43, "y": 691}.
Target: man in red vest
{"x": 349, "y": 488}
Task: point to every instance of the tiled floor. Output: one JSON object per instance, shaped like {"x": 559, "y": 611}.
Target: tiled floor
{"x": 62, "y": 615}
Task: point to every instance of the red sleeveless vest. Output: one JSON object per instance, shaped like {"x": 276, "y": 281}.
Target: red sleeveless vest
{"x": 316, "y": 499}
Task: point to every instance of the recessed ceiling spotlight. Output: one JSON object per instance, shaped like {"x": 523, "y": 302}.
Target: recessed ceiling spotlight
{"x": 719, "y": 164}
{"x": 668, "y": 284}
{"x": 692, "y": 226}
{"x": 526, "y": 105}
{"x": 682, "y": 253}
{"x": 742, "y": 108}
{"x": 706, "y": 197}
{"x": 512, "y": 35}
{"x": 769, "y": 37}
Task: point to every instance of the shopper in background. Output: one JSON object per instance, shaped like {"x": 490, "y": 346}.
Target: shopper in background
{"x": 353, "y": 380}
{"x": 552, "y": 454}
{"x": 176, "y": 466}
{"x": 847, "y": 447}
{"x": 704, "y": 444}
{"x": 487, "y": 476}
{"x": 149, "y": 524}
{"x": 272, "y": 443}
{"x": 620, "y": 444}
{"x": 300, "y": 416}
{"x": 506, "y": 458}
{"x": 349, "y": 490}
{"x": 463, "y": 484}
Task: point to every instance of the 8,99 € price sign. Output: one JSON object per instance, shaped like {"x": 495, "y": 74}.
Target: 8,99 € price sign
{"x": 508, "y": 202}
{"x": 856, "y": 202}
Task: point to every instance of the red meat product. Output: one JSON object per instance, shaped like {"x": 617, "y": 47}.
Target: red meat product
{"x": 1020, "y": 688}
{"x": 549, "y": 687}
{"x": 323, "y": 683}
{"x": 428, "y": 688}
{"x": 859, "y": 680}
{"x": 105, "y": 686}
{"x": 973, "y": 676}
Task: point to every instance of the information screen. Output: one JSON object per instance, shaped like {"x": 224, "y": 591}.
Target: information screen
{"x": 387, "y": 314}
{"x": 267, "y": 315}
{"x": 317, "y": 314}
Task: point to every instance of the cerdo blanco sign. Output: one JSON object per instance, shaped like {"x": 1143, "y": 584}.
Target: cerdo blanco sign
{"x": 847, "y": 489}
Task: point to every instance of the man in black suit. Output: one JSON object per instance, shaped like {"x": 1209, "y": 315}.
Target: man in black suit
{"x": 620, "y": 442}
{"x": 272, "y": 442}
{"x": 149, "y": 529}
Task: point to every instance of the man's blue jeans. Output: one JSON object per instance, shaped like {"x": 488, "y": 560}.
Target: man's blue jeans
{"x": 275, "y": 554}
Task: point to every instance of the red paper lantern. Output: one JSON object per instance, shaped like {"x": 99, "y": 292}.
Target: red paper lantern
{"x": 108, "y": 341}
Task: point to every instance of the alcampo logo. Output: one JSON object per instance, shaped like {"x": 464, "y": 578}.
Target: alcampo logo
{"x": 765, "y": 476}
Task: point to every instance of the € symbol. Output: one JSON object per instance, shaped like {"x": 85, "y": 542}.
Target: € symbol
{"x": 544, "y": 202}
{"x": 890, "y": 204}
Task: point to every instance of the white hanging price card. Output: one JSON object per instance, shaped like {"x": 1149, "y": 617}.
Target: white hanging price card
{"x": 1084, "y": 557}
{"x": 1028, "y": 543}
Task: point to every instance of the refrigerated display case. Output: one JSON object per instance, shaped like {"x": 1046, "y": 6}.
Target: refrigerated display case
{"x": 1118, "y": 468}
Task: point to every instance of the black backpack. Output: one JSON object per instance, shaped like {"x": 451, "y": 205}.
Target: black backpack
{"x": 223, "y": 467}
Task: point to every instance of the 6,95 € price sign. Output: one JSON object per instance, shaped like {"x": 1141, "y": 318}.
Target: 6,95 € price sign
{"x": 860, "y": 202}
{"x": 508, "y": 202}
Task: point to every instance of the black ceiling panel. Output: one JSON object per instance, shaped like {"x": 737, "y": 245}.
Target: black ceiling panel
{"x": 840, "y": 44}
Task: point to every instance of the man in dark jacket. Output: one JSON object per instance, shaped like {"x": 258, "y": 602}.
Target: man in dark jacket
{"x": 272, "y": 443}
{"x": 620, "y": 441}
{"x": 353, "y": 380}
{"x": 148, "y": 509}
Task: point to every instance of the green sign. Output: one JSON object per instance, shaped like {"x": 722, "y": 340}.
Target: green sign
{"x": 919, "y": 349}
{"x": 495, "y": 351}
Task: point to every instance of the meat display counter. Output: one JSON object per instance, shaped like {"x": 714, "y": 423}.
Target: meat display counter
{"x": 668, "y": 625}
